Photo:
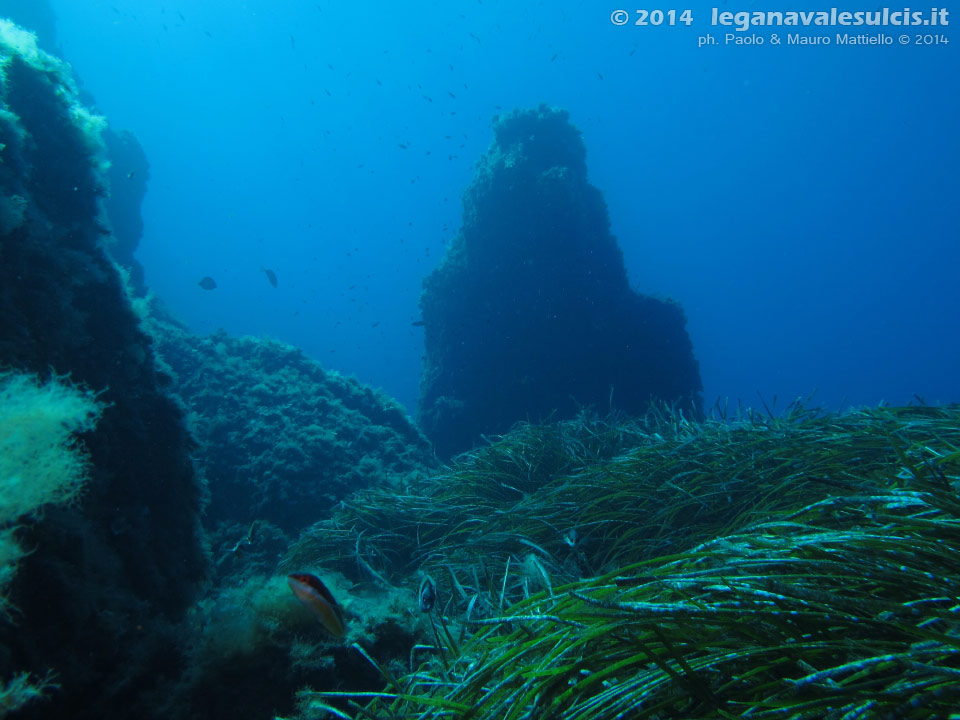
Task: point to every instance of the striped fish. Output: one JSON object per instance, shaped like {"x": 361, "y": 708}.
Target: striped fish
{"x": 311, "y": 591}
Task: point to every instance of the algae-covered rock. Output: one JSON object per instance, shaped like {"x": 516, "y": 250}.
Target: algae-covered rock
{"x": 108, "y": 575}
{"x": 281, "y": 439}
{"x": 37, "y": 16}
{"x": 530, "y": 313}
{"x": 255, "y": 645}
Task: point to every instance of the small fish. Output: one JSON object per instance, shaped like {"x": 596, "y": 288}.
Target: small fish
{"x": 427, "y": 595}
{"x": 208, "y": 283}
{"x": 417, "y": 323}
{"x": 311, "y": 591}
{"x": 271, "y": 276}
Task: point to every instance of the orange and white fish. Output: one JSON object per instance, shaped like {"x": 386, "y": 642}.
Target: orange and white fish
{"x": 311, "y": 591}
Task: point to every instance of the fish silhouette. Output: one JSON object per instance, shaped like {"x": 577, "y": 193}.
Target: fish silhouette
{"x": 311, "y": 591}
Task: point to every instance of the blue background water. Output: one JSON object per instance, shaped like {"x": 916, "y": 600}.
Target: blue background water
{"x": 800, "y": 202}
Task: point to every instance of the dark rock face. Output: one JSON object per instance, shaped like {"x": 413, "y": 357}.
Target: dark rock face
{"x": 129, "y": 170}
{"x": 530, "y": 312}
{"x": 128, "y": 175}
{"x": 108, "y": 579}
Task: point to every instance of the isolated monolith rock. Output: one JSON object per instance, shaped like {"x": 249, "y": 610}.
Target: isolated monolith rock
{"x": 530, "y": 314}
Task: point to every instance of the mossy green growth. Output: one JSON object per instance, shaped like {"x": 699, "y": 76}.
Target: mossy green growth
{"x": 40, "y": 460}
{"x": 797, "y": 567}
{"x": 261, "y": 612}
{"x": 18, "y": 43}
{"x": 16, "y": 40}
{"x": 242, "y": 619}
{"x": 40, "y": 463}
{"x": 52, "y": 154}
{"x": 20, "y": 690}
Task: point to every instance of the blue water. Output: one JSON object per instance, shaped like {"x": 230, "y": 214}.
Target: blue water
{"x": 800, "y": 202}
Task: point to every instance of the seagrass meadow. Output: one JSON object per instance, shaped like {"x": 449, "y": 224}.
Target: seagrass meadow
{"x": 795, "y": 566}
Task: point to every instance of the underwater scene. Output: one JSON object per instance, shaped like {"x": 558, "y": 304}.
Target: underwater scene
{"x": 479, "y": 359}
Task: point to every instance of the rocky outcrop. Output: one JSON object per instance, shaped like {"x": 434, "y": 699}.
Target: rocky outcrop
{"x": 282, "y": 440}
{"x": 128, "y": 175}
{"x": 109, "y": 576}
{"x": 530, "y": 314}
